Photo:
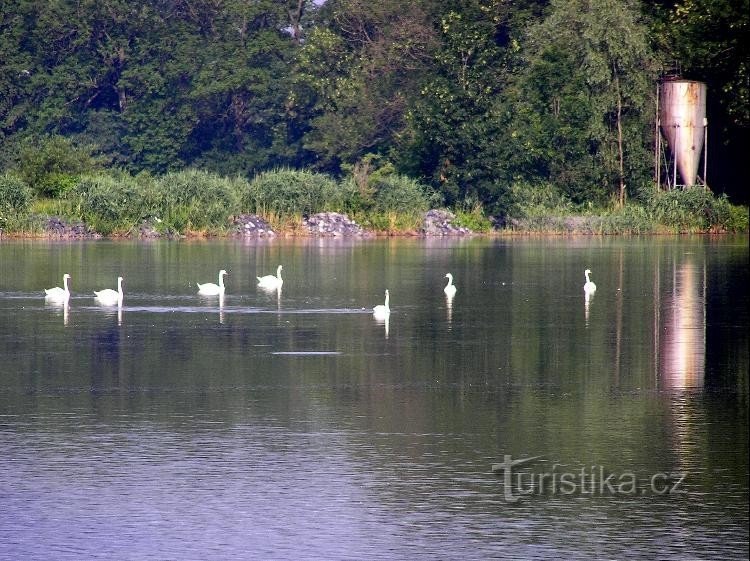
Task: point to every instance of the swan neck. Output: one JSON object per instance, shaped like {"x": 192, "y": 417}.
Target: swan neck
{"x": 221, "y": 280}
{"x": 278, "y": 272}
{"x": 65, "y": 284}
{"x": 387, "y": 298}
{"x": 119, "y": 287}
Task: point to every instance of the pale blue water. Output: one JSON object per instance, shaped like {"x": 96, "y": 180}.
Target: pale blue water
{"x": 296, "y": 426}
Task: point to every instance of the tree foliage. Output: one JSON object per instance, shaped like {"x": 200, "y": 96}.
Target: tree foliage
{"x": 469, "y": 97}
{"x": 586, "y": 97}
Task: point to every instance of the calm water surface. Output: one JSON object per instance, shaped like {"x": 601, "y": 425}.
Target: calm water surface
{"x": 293, "y": 425}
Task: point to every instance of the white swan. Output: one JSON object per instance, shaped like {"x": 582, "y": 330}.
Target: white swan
{"x": 450, "y": 288}
{"x": 382, "y": 311}
{"x": 211, "y": 289}
{"x": 270, "y": 281}
{"x": 589, "y": 287}
{"x": 58, "y": 293}
{"x": 111, "y": 297}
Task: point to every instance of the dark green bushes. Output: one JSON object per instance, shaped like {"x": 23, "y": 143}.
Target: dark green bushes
{"x": 53, "y": 164}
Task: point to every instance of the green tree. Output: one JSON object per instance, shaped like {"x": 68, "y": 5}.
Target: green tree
{"x": 358, "y": 74}
{"x": 458, "y": 136}
{"x": 585, "y": 104}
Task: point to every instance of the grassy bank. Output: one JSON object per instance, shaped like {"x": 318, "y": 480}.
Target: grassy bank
{"x": 194, "y": 202}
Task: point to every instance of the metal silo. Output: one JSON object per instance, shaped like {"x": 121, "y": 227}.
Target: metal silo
{"x": 682, "y": 116}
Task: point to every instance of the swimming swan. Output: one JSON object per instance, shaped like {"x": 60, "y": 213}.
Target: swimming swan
{"x": 450, "y": 288}
{"x": 270, "y": 281}
{"x": 58, "y": 293}
{"x": 589, "y": 287}
{"x": 111, "y": 297}
{"x": 211, "y": 289}
{"x": 382, "y": 311}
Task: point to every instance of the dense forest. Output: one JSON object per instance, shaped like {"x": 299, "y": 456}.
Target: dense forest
{"x": 483, "y": 101}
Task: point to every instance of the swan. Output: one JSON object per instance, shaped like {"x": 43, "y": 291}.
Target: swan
{"x": 58, "y": 293}
{"x": 450, "y": 288}
{"x": 271, "y": 281}
{"x": 589, "y": 287}
{"x": 111, "y": 297}
{"x": 382, "y": 311}
{"x": 211, "y": 289}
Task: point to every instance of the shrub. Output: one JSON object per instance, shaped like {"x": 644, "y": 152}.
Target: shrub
{"x": 15, "y": 200}
{"x": 473, "y": 218}
{"x": 290, "y": 192}
{"x": 398, "y": 193}
{"x": 52, "y": 165}
{"x": 194, "y": 199}
{"x": 632, "y": 218}
{"x": 355, "y": 195}
{"x": 109, "y": 203}
{"x": 536, "y": 200}
{"x": 729, "y": 217}
{"x": 694, "y": 209}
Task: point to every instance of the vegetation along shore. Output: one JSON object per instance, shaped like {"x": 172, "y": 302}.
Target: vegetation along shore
{"x": 357, "y": 118}
{"x": 290, "y": 202}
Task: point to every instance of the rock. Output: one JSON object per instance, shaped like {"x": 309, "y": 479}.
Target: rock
{"x": 146, "y": 230}
{"x": 251, "y": 225}
{"x": 438, "y": 222}
{"x": 500, "y": 221}
{"x": 333, "y": 224}
{"x": 56, "y": 227}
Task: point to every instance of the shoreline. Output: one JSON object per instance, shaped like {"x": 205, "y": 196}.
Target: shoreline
{"x": 498, "y": 234}
{"x": 435, "y": 224}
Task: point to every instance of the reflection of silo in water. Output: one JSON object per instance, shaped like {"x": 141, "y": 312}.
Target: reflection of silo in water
{"x": 683, "y": 318}
{"x": 682, "y": 114}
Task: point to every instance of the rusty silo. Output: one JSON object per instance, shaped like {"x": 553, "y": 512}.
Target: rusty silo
{"x": 682, "y": 116}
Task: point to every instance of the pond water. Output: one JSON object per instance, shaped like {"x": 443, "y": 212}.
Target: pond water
{"x": 520, "y": 420}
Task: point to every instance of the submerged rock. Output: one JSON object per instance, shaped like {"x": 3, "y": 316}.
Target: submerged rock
{"x": 437, "y": 222}
{"x": 251, "y": 225}
{"x": 333, "y": 224}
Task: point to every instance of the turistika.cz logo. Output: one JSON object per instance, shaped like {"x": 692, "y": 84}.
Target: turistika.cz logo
{"x": 518, "y": 481}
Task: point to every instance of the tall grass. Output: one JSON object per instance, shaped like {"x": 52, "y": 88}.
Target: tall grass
{"x": 196, "y": 200}
{"x": 15, "y": 201}
{"x": 697, "y": 210}
{"x": 293, "y": 192}
{"x": 109, "y": 203}
{"x": 398, "y": 193}
{"x": 189, "y": 200}
{"x": 117, "y": 203}
{"x": 541, "y": 208}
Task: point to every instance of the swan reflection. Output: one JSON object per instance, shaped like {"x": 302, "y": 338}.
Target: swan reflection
{"x": 59, "y": 306}
{"x": 272, "y": 291}
{"x": 587, "y": 298}
{"x": 385, "y": 321}
{"x": 449, "y": 306}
